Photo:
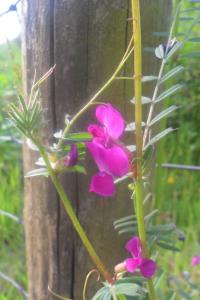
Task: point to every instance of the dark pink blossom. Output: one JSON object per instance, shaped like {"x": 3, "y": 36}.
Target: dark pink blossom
{"x": 146, "y": 266}
{"x": 69, "y": 160}
{"x": 195, "y": 260}
{"x": 109, "y": 154}
{"x": 72, "y": 157}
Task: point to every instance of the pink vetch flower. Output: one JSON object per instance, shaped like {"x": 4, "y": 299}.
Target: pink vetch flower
{"x": 69, "y": 160}
{"x": 110, "y": 155}
{"x": 146, "y": 266}
{"x": 195, "y": 260}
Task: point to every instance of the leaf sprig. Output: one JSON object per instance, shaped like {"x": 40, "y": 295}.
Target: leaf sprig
{"x": 26, "y": 116}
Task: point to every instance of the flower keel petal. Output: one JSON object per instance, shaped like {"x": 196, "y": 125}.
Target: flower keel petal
{"x": 102, "y": 184}
{"x": 116, "y": 160}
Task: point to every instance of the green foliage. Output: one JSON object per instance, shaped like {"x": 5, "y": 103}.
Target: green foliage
{"x": 182, "y": 186}
{"x": 164, "y": 236}
{"x": 177, "y": 192}
{"x": 12, "y": 250}
{"x": 78, "y": 137}
{"x": 168, "y": 92}
{"x": 37, "y": 172}
{"x": 27, "y": 118}
{"x": 10, "y": 70}
{"x": 11, "y": 233}
{"x": 158, "y": 137}
{"x": 149, "y": 78}
{"x": 171, "y": 73}
{"x": 122, "y": 289}
{"x": 163, "y": 114}
{"x": 145, "y": 100}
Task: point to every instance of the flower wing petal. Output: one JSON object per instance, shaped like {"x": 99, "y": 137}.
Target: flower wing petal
{"x": 131, "y": 264}
{"x": 148, "y": 268}
{"x": 116, "y": 160}
{"x": 113, "y": 161}
{"x": 111, "y": 118}
{"x": 96, "y": 149}
{"x": 102, "y": 184}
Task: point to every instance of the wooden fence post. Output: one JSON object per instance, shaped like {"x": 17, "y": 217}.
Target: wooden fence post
{"x": 85, "y": 39}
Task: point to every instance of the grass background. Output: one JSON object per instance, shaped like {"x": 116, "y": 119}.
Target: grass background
{"x": 12, "y": 250}
{"x": 178, "y": 192}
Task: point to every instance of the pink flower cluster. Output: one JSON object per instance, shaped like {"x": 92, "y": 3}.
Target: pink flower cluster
{"x": 146, "y": 266}
{"x": 110, "y": 155}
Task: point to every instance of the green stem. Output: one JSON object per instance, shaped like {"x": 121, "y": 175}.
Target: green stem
{"x": 139, "y": 134}
{"x": 128, "y": 52}
{"x": 74, "y": 219}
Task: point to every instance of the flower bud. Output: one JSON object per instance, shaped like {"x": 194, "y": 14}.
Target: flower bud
{"x": 120, "y": 267}
{"x": 68, "y": 160}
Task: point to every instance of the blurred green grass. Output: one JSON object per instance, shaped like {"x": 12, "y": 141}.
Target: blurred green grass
{"x": 178, "y": 191}
{"x": 12, "y": 249}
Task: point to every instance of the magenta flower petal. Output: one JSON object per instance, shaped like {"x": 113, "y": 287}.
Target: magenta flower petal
{"x": 111, "y": 118}
{"x": 96, "y": 131}
{"x": 195, "y": 260}
{"x": 116, "y": 160}
{"x": 113, "y": 161}
{"x": 102, "y": 184}
{"x": 148, "y": 268}
{"x": 134, "y": 247}
{"x": 132, "y": 264}
{"x": 96, "y": 150}
{"x": 109, "y": 154}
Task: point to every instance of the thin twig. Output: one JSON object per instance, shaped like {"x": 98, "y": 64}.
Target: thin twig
{"x": 12, "y": 7}
{"x": 87, "y": 279}
{"x": 56, "y": 295}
